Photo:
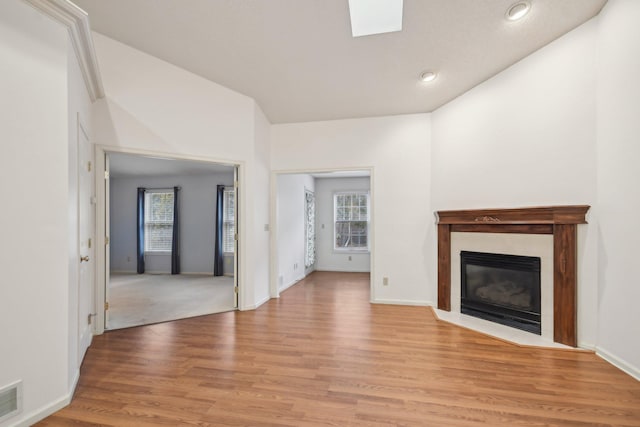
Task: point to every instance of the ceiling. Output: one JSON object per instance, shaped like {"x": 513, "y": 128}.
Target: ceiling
{"x": 298, "y": 60}
{"x": 130, "y": 165}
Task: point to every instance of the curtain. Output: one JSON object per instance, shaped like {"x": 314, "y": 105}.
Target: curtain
{"x": 175, "y": 238}
{"x": 218, "y": 261}
{"x": 140, "y": 230}
{"x": 310, "y": 228}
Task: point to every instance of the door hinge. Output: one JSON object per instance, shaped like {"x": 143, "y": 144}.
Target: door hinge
{"x": 89, "y": 166}
{"x": 235, "y": 184}
{"x": 235, "y": 289}
{"x": 106, "y": 306}
{"x": 106, "y": 174}
{"x": 89, "y": 243}
{"x": 106, "y": 240}
{"x": 235, "y": 236}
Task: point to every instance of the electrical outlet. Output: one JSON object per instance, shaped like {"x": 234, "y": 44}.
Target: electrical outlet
{"x": 385, "y": 281}
{"x": 128, "y": 259}
{"x": 349, "y": 257}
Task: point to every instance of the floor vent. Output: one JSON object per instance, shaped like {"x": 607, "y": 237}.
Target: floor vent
{"x": 10, "y": 400}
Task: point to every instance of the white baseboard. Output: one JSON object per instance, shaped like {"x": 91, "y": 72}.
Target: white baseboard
{"x": 402, "y": 302}
{"x": 41, "y": 414}
{"x": 199, "y": 273}
{"x": 341, "y": 270}
{"x": 619, "y": 363}
{"x": 44, "y": 412}
{"x": 256, "y": 305}
{"x": 586, "y": 345}
{"x": 290, "y": 284}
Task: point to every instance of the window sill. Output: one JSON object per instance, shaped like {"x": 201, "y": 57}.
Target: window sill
{"x": 157, "y": 252}
{"x": 351, "y": 251}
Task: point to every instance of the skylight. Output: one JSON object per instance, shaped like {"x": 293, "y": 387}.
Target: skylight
{"x": 375, "y": 16}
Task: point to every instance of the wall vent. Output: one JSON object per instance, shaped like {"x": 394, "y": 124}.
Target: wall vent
{"x": 10, "y": 400}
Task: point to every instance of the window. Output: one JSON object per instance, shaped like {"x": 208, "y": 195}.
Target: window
{"x": 351, "y": 216}
{"x": 229, "y": 221}
{"x": 158, "y": 220}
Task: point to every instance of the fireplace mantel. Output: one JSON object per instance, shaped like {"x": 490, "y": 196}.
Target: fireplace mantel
{"x": 560, "y": 221}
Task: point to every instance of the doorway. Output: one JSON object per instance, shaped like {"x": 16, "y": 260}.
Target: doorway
{"x": 172, "y": 239}
{"x": 323, "y": 221}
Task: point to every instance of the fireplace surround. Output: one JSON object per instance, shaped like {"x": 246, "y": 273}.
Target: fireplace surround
{"x": 559, "y": 221}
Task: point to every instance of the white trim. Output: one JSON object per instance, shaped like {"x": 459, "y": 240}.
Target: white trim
{"x": 357, "y": 249}
{"x": 77, "y": 22}
{"x": 619, "y": 363}
{"x": 45, "y": 411}
{"x": 587, "y": 346}
{"x": 341, "y": 270}
{"x": 74, "y": 383}
{"x": 402, "y": 302}
{"x": 290, "y": 284}
{"x": 256, "y": 305}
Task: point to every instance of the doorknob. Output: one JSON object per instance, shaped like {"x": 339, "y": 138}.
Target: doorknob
{"x": 84, "y": 258}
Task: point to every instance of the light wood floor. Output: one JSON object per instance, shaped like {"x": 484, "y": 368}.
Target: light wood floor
{"x": 322, "y": 355}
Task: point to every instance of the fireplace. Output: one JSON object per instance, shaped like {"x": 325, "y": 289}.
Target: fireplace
{"x": 559, "y": 221}
{"x": 501, "y": 288}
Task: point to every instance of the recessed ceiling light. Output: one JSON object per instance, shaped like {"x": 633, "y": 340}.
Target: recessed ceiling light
{"x": 518, "y": 10}
{"x": 428, "y": 76}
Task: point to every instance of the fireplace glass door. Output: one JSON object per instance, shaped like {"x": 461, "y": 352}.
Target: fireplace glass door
{"x": 502, "y": 288}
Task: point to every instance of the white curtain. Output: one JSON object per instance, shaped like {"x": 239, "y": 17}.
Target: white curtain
{"x": 310, "y": 228}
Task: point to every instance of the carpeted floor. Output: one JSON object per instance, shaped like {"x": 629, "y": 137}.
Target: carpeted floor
{"x": 142, "y": 299}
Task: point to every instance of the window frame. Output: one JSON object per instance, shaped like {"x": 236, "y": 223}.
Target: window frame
{"x": 147, "y": 194}
{"x": 363, "y": 250}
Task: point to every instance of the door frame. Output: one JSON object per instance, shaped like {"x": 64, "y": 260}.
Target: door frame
{"x": 102, "y": 221}
{"x": 274, "y": 292}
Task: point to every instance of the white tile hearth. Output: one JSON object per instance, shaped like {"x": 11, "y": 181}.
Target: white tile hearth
{"x": 497, "y": 330}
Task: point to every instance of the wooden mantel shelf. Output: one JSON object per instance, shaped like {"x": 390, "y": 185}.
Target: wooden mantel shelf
{"x": 561, "y": 221}
{"x": 537, "y": 215}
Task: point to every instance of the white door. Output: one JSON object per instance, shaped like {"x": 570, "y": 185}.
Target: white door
{"x": 86, "y": 242}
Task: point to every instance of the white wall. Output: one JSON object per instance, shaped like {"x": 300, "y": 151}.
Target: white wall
{"x": 398, "y": 150}
{"x": 197, "y": 222}
{"x": 526, "y": 137}
{"x": 34, "y": 293}
{"x": 290, "y": 206}
{"x": 257, "y": 192}
{"x": 329, "y": 259}
{"x": 154, "y": 107}
{"x": 618, "y": 183}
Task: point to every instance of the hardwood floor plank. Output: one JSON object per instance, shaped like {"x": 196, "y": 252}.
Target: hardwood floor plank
{"x": 322, "y": 355}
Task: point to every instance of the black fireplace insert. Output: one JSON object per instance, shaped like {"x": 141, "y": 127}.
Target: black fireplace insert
{"x": 502, "y": 288}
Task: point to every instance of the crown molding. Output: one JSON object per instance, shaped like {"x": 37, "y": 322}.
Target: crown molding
{"x": 77, "y": 22}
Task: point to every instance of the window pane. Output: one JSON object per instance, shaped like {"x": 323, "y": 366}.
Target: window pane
{"x": 352, "y": 216}
{"x": 229, "y": 227}
{"x": 158, "y": 221}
